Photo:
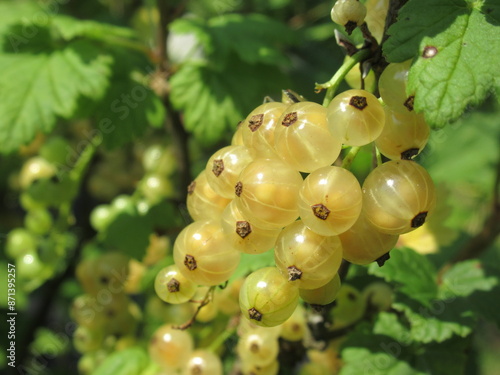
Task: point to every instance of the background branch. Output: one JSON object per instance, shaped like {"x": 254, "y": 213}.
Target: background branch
{"x": 174, "y": 124}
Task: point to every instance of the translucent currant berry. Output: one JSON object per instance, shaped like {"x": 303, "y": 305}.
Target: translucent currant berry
{"x": 159, "y": 159}
{"x": 245, "y": 236}
{"x": 348, "y": 13}
{"x": 203, "y": 362}
{"x": 28, "y": 265}
{"x": 246, "y": 326}
{"x": 38, "y": 221}
{"x": 224, "y": 167}
{"x": 295, "y": 327}
{"x": 258, "y": 347}
{"x": 87, "y": 340}
{"x": 156, "y": 187}
{"x": 227, "y": 298}
{"x": 330, "y": 200}
{"x": 109, "y": 271}
{"x": 376, "y": 13}
{"x": 379, "y": 295}
{"x": 203, "y": 254}
{"x": 404, "y": 136}
{"x": 172, "y": 286}
{"x": 237, "y": 139}
{"x": 203, "y": 203}
{"x": 170, "y": 348}
{"x": 302, "y": 138}
{"x": 355, "y": 117}
{"x": 349, "y": 308}
{"x": 397, "y": 196}
{"x": 323, "y": 295}
{"x": 269, "y": 193}
{"x": 392, "y": 86}
{"x": 21, "y": 241}
{"x": 307, "y": 259}
{"x": 86, "y": 311}
{"x": 34, "y": 169}
{"x": 258, "y": 129}
{"x": 353, "y": 78}
{"x": 125, "y": 320}
{"x": 101, "y": 216}
{"x": 249, "y": 368}
{"x": 363, "y": 243}
{"x": 267, "y": 298}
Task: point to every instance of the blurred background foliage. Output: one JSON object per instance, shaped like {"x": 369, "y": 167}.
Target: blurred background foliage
{"x": 225, "y": 57}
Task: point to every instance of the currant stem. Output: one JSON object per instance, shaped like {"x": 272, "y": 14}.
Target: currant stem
{"x": 349, "y": 158}
{"x": 224, "y": 335}
{"x": 367, "y": 35}
{"x": 206, "y": 300}
{"x": 128, "y": 43}
{"x": 332, "y": 85}
{"x": 174, "y": 123}
{"x": 76, "y": 174}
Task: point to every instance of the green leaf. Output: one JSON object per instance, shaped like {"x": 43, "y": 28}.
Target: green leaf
{"x": 53, "y": 193}
{"x": 365, "y": 352}
{"x": 22, "y": 22}
{"x": 469, "y": 175}
{"x": 252, "y": 262}
{"x": 455, "y": 42}
{"x": 13, "y": 12}
{"x": 127, "y": 110}
{"x": 255, "y": 38}
{"x": 47, "y": 86}
{"x": 465, "y": 278}
{"x": 129, "y": 231}
{"x": 388, "y": 324}
{"x": 446, "y": 164}
{"x": 362, "y": 361}
{"x": 486, "y": 304}
{"x": 61, "y": 73}
{"x": 166, "y": 215}
{"x": 130, "y": 361}
{"x": 413, "y": 274}
{"x": 198, "y": 28}
{"x": 438, "y": 321}
{"x": 69, "y": 28}
{"x": 214, "y": 102}
{"x": 47, "y": 342}
{"x": 447, "y": 358}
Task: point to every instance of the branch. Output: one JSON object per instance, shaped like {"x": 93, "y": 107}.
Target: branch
{"x": 392, "y": 14}
{"x": 332, "y": 85}
{"x": 379, "y": 63}
{"x": 174, "y": 124}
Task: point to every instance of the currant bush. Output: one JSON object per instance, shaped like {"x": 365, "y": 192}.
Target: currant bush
{"x": 245, "y": 241}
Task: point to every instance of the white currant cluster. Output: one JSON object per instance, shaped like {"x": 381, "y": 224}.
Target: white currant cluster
{"x": 281, "y": 185}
